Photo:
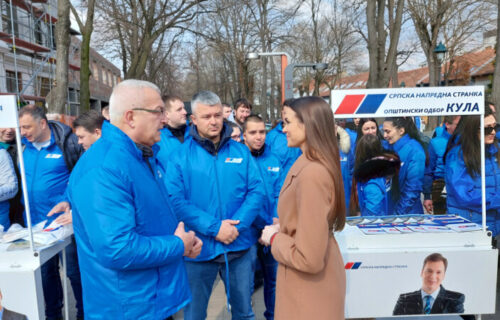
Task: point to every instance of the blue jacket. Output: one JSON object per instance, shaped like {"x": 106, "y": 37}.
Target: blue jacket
{"x": 131, "y": 263}
{"x": 48, "y": 170}
{"x": 168, "y": 143}
{"x": 8, "y": 186}
{"x": 270, "y": 172}
{"x": 435, "y": 169}
{"x": 374, "y": 197}
{"x": 276, "y": 139}
{"x": 411, "y": 175}
{"x": 346, "y": 168}
{"x": 464, "y": 191}
{"x": 208, "y": 185}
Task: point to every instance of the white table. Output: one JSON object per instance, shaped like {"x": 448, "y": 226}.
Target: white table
{"x": 21, "y": 279}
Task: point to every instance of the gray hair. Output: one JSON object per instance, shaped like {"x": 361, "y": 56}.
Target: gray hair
{"x": 204, "y": 97}
{"x": 120, "y": 102}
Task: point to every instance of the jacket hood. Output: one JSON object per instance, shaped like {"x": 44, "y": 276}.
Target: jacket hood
{"x": 344, "y": 140}
{"x": 225, "y": 136}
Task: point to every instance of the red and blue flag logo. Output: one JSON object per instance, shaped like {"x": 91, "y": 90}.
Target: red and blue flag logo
{"x": 360, "y": 103}
{"x": 352, "y": 265}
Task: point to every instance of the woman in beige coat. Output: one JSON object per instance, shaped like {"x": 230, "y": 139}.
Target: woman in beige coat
{"x": 311, "y": 278}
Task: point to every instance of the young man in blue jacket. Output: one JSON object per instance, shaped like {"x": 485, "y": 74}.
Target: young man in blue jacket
{"x": 216, "y": 190}
{"x": 51, "y": 150}
{"x": 130, "y": 244}
{"x": 176, "y": 130}
{"x": 254, "y": 132}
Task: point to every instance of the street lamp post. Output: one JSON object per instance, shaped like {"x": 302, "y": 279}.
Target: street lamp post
{"x": 284, "y": 63}
{"x": 288, "y": 91}
{"x": 440, "y": 51}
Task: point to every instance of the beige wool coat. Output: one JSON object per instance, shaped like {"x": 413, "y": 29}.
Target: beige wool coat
{"x": 310, "y": 283}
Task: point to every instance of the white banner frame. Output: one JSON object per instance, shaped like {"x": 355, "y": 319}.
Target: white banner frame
{"x": 411, "y": 102}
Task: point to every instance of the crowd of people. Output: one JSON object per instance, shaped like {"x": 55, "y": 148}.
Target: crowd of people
{"x": 162, "y": 204}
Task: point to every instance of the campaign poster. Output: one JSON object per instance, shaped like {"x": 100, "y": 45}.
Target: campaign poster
{"x": 396, "y": 283}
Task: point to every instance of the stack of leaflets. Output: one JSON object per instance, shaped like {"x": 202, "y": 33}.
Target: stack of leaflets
{"x": 412, "y": 224}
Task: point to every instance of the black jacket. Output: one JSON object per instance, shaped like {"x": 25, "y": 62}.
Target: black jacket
{"x": 67, "y": 141}
{"x": 446, "y": 302}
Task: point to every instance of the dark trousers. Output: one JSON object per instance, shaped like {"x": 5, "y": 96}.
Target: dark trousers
{"x": 52, "y": 287}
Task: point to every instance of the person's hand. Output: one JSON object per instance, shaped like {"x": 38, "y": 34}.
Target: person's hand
{"x": 428, "y": 206}
{"x": 195, "y": 251}
{"x": 268, "y": 232}
{"x": 65, "y": 218}
{"x": 227, "y": 231}
{"x": 188, "y": 238}
{"x": 63, "y": 206}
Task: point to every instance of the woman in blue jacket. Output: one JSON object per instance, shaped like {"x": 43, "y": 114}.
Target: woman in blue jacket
{"x": 375, "y": 178}
{"x": 403, "y": 138}
{"x": 463, "y": 172}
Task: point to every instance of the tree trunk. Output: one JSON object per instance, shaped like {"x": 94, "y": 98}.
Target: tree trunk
{"x": 85, "y": 58}
{"x": 58, "y": 97}
{"x": 495, "y": 93}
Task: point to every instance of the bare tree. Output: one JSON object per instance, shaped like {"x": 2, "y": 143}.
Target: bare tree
{"x": 495, "y": 94}
{"x": 135, "y": 26}
{"x": 86, "y": 31}
{"x": 57, "y": 98}
{"x": 382, "y": 58}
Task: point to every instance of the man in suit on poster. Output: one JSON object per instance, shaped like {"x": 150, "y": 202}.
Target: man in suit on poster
{"x": 432, "y": 298}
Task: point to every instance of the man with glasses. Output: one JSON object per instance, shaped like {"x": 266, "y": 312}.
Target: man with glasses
{"x": 130, "y": 244}
{"x": 216, "y": 190}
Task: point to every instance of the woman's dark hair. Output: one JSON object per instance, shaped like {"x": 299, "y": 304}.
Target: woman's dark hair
{"x": 362, "y": 121}
{"x": 411, "y": 129}
{"x": 369, "y": 147}
{"x": 321, "y": 145}
{"x": 466, "y": 135}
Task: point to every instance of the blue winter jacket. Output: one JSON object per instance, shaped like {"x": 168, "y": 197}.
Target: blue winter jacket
{"x": 411, "y": 175}
{"x": 346, "y": 168}
{"x": 270, "y": 172}
{"x": 131, "y": 263}
{"x": 464, "y": 192}
{"x": 168, "y": 143}
{"x": 47, "y": 177}
{"x": 208, "y": 185}
{"x": 276, "y": 139}
{"x": 375, "y": 198}
{"x": 435, "y": 168}
{"x": 8, "y": 186}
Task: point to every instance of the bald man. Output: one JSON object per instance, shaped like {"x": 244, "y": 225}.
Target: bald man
{"x": 130, "y": 244}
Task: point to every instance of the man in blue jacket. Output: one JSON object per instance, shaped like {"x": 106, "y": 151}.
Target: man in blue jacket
{"x": 176, "y": 130}
{"x": 434, "y": 202}
{"x": 216, "y": 190}
{"x": 51, "y": 150}
{"x": 276, "y": 139}
{"x": 130, "y": 244}
{"x": 254, "y": 132}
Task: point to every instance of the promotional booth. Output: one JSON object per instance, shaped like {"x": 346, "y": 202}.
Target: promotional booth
{"x": 21, "y": 260}
{"x": 383, "y": 257}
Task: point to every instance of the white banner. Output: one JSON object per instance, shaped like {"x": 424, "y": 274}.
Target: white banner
{"x": 8, "y": 112}
{"x": 407, "y": 102}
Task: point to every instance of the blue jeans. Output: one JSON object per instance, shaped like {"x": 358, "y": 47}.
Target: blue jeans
{"x": 492, "y": 220}
{"x": 52, "y": 287}
{"x": 269, "y": 268}
{"x": 201, "y": 276}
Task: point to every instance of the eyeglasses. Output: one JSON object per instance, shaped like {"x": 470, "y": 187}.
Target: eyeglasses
{"x": 489, "y": 130}
{"x": 161, "y": 110}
